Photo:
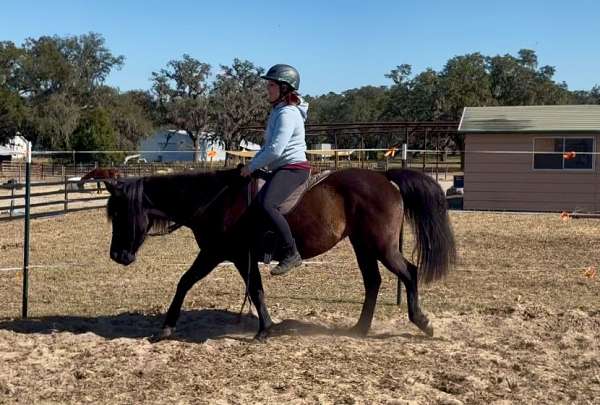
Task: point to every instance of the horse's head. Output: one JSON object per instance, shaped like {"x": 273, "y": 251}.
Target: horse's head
{"x": 130, "y": 220}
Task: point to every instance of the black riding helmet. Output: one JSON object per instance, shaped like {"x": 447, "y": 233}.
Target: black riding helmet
{"x": 285, "y": 74}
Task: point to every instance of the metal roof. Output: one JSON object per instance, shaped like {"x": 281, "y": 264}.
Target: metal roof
{"x": 539, "y": 118}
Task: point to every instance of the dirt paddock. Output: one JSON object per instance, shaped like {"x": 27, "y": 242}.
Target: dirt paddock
{"x": 517, "y": 321}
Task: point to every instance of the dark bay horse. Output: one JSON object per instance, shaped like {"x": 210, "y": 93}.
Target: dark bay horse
{"x": 366, "y": 206}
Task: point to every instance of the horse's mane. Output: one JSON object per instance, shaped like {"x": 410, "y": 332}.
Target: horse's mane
{"x": 133, "y": 190}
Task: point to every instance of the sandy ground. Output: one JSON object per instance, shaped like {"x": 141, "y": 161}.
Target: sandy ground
{"x": 517, "y": 321}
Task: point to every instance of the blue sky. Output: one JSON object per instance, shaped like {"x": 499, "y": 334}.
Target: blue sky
{"x": 336, "y": 45}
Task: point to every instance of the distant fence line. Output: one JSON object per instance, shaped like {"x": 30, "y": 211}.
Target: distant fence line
{"x": 44, "y": 170}
{"x": 435, "y": 162}
{"x": 14, "y": 210}
{"x": 63, "y": 199}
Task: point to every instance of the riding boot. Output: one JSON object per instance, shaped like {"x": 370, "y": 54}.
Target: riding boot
{"x": 291, "y": 260}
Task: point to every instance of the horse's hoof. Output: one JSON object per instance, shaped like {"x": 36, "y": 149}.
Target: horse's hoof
{"x": 427, "y": 329}
{"x": 262, "y": 336}
{"x": 357, "y": 331}
{"x": 165, "y": 333}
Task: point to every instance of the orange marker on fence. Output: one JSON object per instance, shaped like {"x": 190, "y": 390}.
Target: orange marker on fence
{"x": 391, "y": 152}
{"x": 565, "y": 216}
{"x": 569, "y": 155}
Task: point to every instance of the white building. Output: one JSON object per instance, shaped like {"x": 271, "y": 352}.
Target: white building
{"x": 15, "y": 148}
{"x": 173, "y": 146}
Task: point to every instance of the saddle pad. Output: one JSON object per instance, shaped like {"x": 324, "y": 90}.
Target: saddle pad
{"x": 297, "y": 194}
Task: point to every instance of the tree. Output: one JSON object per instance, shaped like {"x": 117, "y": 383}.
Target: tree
{"x": 518, "y": 81}
{"x": 400, "y": 75}
{"x": 398, "y": 106}
{"x": 181, "y": 92}
{"x": 10, "y": 56}
{"x": 94, "y": 132}
{"x": 325, "y": 109}
{"x": 56, "y": 79}
{"x": 130, "y": 115}
{"x": 53, "y": 121}
{"x": 72, "y": 65}
{"x": 238, "y": 100}
{"x": 12, "y": 115}
{"x": 13, "y": 110}
{"x": 465, "y": 82}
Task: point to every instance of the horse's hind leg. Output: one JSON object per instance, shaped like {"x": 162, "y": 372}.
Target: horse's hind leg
{"x": 367, "y": 262}
{"x": 407, "y": 272}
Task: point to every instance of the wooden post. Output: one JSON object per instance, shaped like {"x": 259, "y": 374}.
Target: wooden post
{"x": 66, "y": 202}
{"x": 337, "y": 159}
{"x": 12, "y": 201}
{"x": 437, "y": 156}
{"x": 362, "y": 152}
{"x": 424, "y": 149}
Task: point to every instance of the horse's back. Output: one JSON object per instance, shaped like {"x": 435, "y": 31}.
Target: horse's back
{"x": 335, "y": 207}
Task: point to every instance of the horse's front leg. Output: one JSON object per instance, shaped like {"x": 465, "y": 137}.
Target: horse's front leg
{"x": 206, "y": 261}
{"x": 253, "y": 282}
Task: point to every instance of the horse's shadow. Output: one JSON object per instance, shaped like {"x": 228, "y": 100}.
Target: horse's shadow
{"x": 193, "y": 326}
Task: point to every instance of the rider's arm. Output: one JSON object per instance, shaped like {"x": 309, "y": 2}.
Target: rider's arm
{"x": 282, "y": 131}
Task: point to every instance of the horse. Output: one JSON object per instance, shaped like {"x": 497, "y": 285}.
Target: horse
{"x": 366, "y": 206}
{"x": 99, "y": 173}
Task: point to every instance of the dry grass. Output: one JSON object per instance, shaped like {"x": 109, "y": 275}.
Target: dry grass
{"x": 517, "y": 320}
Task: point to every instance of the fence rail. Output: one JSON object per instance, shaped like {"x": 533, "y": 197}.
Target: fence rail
{"x": 11, "y": 212}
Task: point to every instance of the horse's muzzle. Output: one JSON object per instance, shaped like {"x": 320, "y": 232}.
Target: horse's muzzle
{"x": 122, "y": 257}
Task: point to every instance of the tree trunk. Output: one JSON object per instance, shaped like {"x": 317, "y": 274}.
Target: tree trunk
{"x": 196, "y": 140}
{"x": 228, "y": 147}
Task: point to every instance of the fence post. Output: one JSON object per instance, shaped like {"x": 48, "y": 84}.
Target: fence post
{"x": 12, "y": 200}
{"x": 26, "y": 241}
{"x": 66, "y": 193}
{"x": 337, "y": 160}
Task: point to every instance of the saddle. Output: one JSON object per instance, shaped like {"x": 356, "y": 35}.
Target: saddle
{"x": 266, "y": 246}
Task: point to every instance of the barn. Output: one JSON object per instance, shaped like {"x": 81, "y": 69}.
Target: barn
{"x": 177, "y": 146}
{"x": 531, "y": 158}
{"x": 15, "y": 148}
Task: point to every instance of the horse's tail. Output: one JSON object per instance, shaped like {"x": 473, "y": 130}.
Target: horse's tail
{"x": 426, "y": 210}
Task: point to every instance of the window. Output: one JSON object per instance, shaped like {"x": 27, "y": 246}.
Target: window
{"x": 557, "y": 153}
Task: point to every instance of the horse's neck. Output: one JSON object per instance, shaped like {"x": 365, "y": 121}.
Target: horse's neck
{"x": 180, "y": 197}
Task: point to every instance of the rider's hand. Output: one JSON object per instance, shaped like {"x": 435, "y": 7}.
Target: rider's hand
{"x": 245, "y": 172}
